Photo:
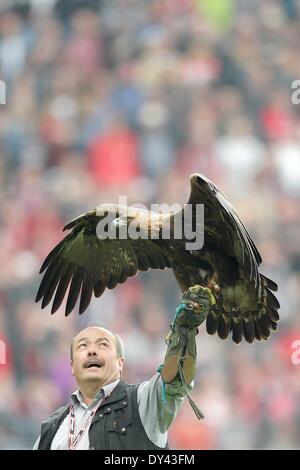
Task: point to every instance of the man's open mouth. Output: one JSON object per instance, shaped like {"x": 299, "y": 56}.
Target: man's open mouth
{"x": 91, "y": 364}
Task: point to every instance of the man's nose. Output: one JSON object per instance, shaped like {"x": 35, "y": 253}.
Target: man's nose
{"x": 92, "y": 352}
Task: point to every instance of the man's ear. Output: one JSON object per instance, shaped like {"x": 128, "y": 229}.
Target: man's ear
{"x": 72, "y": 368}
{"x": 121, "y": 364}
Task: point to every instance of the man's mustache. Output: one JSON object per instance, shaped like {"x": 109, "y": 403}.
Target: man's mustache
{"x": 95, "y": 362}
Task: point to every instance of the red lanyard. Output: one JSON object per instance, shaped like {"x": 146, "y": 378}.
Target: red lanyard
{"x": 73, "y": 440}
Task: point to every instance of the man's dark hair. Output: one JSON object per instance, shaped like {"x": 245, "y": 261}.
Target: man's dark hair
{"x": 118, "y": 341}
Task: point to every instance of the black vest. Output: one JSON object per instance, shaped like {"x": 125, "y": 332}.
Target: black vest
{"x": 116, "y": 425}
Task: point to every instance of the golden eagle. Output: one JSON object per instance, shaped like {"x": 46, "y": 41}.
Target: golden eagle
{"x": 227, "y": 263}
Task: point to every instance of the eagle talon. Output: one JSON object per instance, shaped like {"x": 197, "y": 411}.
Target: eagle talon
{"x": 197, "y": 293}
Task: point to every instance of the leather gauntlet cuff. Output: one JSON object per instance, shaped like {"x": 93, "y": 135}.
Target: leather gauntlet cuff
{"x": 180, "y": 360}
{"x": 181, "y": 347}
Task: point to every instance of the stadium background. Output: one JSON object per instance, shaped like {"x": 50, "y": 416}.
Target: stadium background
{"x": 130, "y": 97}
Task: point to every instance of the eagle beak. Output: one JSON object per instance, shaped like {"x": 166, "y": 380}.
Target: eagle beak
{"x": 120, "y": 222}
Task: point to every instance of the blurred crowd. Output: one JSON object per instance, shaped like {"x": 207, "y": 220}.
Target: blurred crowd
{"x": 129, "y": 97}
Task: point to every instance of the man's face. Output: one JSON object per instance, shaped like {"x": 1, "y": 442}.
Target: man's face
{"x": 95, "y": 357}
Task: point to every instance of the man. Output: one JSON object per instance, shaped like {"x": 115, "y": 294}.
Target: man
{"x": 107, "y": 413}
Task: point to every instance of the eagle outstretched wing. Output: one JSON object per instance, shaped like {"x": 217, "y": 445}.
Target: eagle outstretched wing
{"x": 89, "y": 265}
{"x": 224, "y": 228}
{"x": 247, "y": 304}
